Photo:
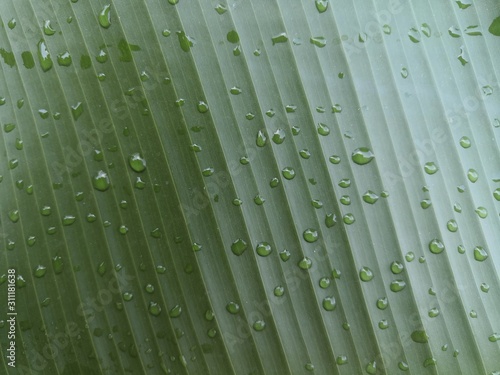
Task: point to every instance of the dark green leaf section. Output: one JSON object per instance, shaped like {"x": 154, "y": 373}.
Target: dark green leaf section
{"x": 253, "y": 187}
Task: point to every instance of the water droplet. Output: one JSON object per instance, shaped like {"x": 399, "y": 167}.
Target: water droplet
{"x": 263, "y": 249}
{"x": 321, "y": 5}
{"x": 494, "y": 337}
{"x": 434, "y": 312}
{"x": 330, "y": 220}
{"x": 342, "y": 360}
{"x": 463, "y": 4}
{"x": 12, "y": 23}
{"x": 44, "y": 56}
{"x": 77, "y": 110}
{"x": 185, "y": 41}
{"x": 304, "y": 153}
{"x": 397, "y": 267}
{"x": 279, "y": 291}
{"x": 309, "y": 366}
{"x": 14, "y": 216}
{"x": 279, "y": 38}
{"x": 349, "y": 219}
{"x": 101, "y": 181}
{"x": 323, "y": 129}
{"x": 137, "y": 162}
{"x": 485, "y": 288}
{"x": 290, "y": 108}
{"x": 311, "y": 235}
{"x": 414, "y": 35}
{"x": 261, "y": 139}
{"x": 482, "y": 212}
{"x": 480, "y": 254}
{"x": 472, "y": 175}
{"x": 102, "y": 56}
{"x": 370, "y": 197}
{"x": 496, "y": 194}
{"x": 366, "y": 274}
{"x": 382, "y": 303}
{"x": 426, "y": 30}
{"x": 419, "y": 336}
{"x": 233, "y": 307}
{"x": 285, "y": 255}
{"x": 436, "y": 246}
{"x": 386, "y": 29}
{"x": 127, "y": 296}
{"x": 68, "y": 220}
{"x": 279, "y": 136}
{"x": 430, "y": 168}
{"x": 383, "y": 324}
{"x": 57, "y": 264}
{"x": 305, "y": 263}
{"x": 454, "y": 32}
{"x": 425, "y": 203}
{"x": 403, "y": 366}
{"x": 430, "y": 362}
{"x": 288, "y": 173}
{"x": 473, "y": 30}
{"x": 452, "y": 226}
{"x": 371, "y": 368}
{"x": 324, "y": 282}
{"x": 105, "y": 16}
{"x": 329, "y": 303}
{"x": 259, "y": 200}
{"x": 64, "y": 59}
{"x": 397, "y": 285}
{"x": 259, "y": 325}
{"x": 154, "y": 308}
{"x": 221, "y": 9}
{"x": 334, "y": 159}
{"x": 404, "y": 72}
{"x": 362, "y": 156}
{"x": 463, "y": 56}
{"x": 318, "y": 41}
{"x": 175, "y": 311}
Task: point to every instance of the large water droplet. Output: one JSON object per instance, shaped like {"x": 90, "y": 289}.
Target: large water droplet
{"x": 279, "y": 38}
{"x": 321, "y": 5}
{"x": 44, "y": 56}
{"x": 137, "y": 162}
{"x": 101, "y": 181}
{"x": 263, "y": 249}
{"x": 311, "y": 235}
{"x": 105, "y": 16}
{"x": 366, "y": 274}
{"x": 419, "y": 336}
{"x": 436, "y": 246}
{"x": 397, "y": 285}
{"x": 329, "y": 303}
{"x": 480, "y": 254}
{"x": 495, "y": 27}
{"x": 362, "y": 156}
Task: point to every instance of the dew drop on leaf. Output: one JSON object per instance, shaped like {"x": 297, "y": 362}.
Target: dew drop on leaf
{"x": 362, "y": 156}
{"x": 480, "y": 254}
{"x": 366, "y": 274}
{"x": 311, "y": 235}
{"x": 101, "y": 181}
{"x": 329, "y": 303}
{"x": 397, "y": 285}
{"x": 436, "y": 246}
{"x": 105, "y": 16}
{"x": 419, "y": 336}
{"x": 137, "y": 162}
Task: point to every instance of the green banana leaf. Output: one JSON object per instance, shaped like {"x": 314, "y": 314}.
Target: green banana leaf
{"x": 249, "y": 187}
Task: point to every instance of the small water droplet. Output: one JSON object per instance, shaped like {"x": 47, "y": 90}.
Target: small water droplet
{"x": 321, "y": 5}
{"x": 494, "y": 28}
{"x": 370, "y": 197}
{"x": 261, "y": 138}
{"x": 68, "y": 220}
{"x": 288, "y": 173}
{"x": 279, "y": 291}
{"x": 330, "y": 220}
{"x": 233, "y": 308}
{"x": 397, "y": 267}
{"x": 342, "y": 360}
{"x": 430, "y": 362}
{"x": 434, "y": 312}
{"x": 371, "y": 368}
{"x": 348, "y": 219}
{"x": 482, "y": 212}
{"x": 463, "y": 56}
{"x": 263, "y": 249}
{"x": 185, "y": 41}
{"x": 154, "y": 308}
